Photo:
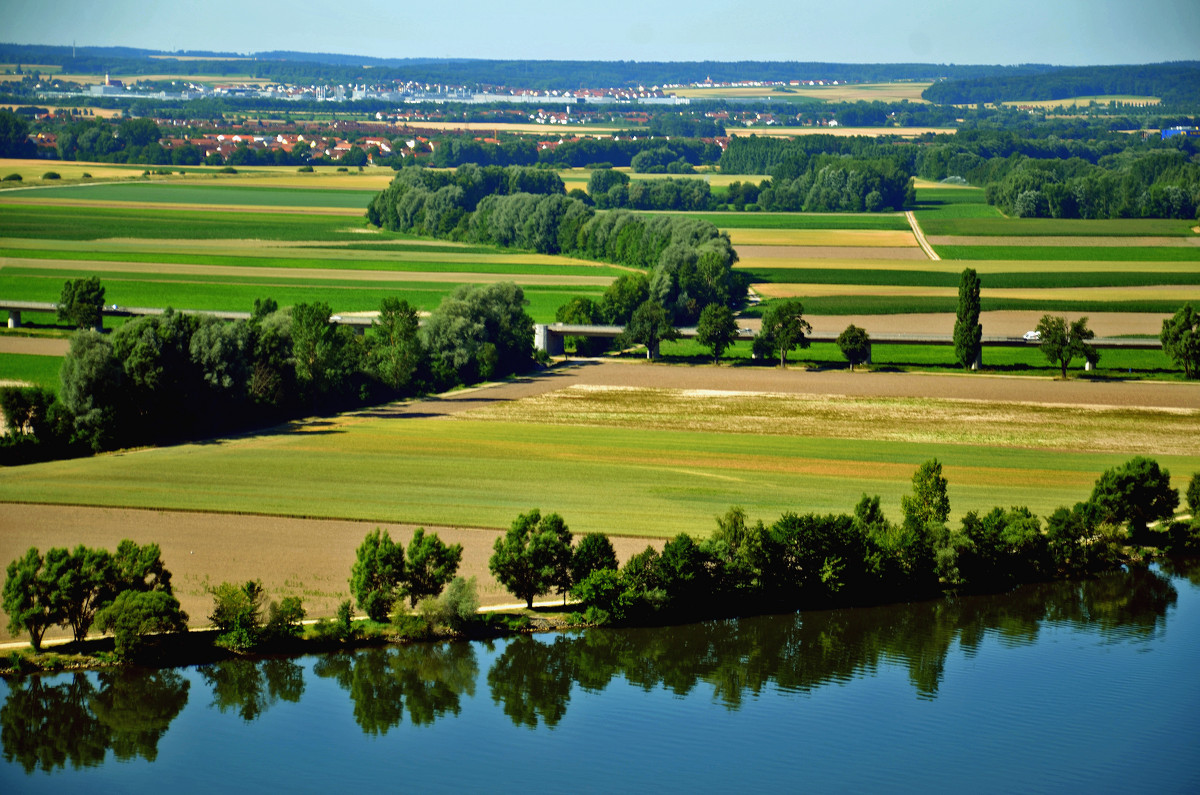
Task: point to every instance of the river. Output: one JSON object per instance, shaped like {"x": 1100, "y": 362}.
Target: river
{"x": 1083, "y": 686}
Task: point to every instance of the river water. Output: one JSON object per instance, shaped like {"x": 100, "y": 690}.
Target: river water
{"x": 1088, "y": 687}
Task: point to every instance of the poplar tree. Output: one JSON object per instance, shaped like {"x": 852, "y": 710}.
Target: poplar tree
{"x": 968, "y": 333}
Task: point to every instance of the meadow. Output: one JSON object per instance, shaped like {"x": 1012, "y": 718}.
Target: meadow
{"x": 31, "y": 369}
{"x": 632, "y": 462}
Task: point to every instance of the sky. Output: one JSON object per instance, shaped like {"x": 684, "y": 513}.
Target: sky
{"x": 1065, "y": 32}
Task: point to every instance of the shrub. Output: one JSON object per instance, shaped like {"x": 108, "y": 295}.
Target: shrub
{"x": 284, "y": 618}
{"x": 228, "y": 170}
{"x": 12, "y": 178}
{"x": 340, "y": 629}
{"x": 51, "y": 175}
{"x": 305, "y": 169}
{"x": 237, "y": 613}
{"x": 134, "y": 615}
{"x": 89, "y": 176}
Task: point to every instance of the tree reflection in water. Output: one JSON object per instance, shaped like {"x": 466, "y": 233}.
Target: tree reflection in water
{"x": 532, "y": 679}
{"x": 76, "y": 721}
{"x": 430, "y": 679}
{"x": 248, "y": 687}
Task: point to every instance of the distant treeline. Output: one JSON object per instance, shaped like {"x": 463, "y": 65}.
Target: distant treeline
{"x": 303, "y": 67}
{"x": 656, "y": 153}
{"x": 689, "y": 259}
{"x": 1174, "y": 83}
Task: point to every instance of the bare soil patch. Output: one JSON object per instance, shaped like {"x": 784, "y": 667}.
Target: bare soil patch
{"x": 794, "y": 256}
{"x": 293, "y": 557}
{"x": 36, "y": 346}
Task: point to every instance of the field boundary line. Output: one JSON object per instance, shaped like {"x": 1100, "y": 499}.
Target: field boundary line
{"x": 921, "y": 241}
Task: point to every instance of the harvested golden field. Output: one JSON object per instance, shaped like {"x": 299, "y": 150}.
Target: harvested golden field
{"x": 744, "y": 239}
{"x": 1074, "y": 102}
{"x": 1149, "y": 431}
{"x": 803, "y": 256}
{"x": 870, "y": 132}
{"x": 32, "y": 170}
{"x": 1178, "y": 293}
{"x": 884, "y": 92}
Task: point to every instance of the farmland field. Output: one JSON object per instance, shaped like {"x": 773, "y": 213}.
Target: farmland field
{"x": 650, "y": 471}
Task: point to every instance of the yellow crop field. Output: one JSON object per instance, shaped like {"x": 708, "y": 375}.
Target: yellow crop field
{"x": 1075, "y": 102}
{"x": 886, "y": 92}
{"x": 821, "y": 237}
{"x": 874, "y": 132}
{"x": 32, "y": 170}
{"x": 1127, "y": 293}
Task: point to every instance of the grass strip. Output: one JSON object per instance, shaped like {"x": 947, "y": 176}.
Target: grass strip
{"x": 33, "y": 369}
{"x": 924, "y": 278}
{"x": 216, "y": 194}
{"x": 1033, "y": 227}
{"x": 1076, "y": 253}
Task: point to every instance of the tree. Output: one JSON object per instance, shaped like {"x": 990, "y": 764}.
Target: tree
{"x": 135, "y": 614}
{"x": 855, "y": 345}
{"x": 1137, "y": 492}
{"x": 29, "y": 597}
{"x": 1181, "y": 340}
{"x": 324, "y": 353}
{"x": 394, "y": 347}
{"x": 478, "y": 333}
{"x": 92, "y": 379}
{"x": 237, "y": 613}
{"x": 623, "y": 296}
{"x": 582, "y": 311}
{"x": 783, "y": 328}
{"x": 14, "y": 136}
{"x": 84, "y": 580}
{"x": 717, "y": 329}
{"x": 81, "y": 302}
{"x": 377, "y": 574}
{"x": 1193, "y": 495}
{"x": 929, "y": 503}
{"x": 525, "y": 560}
{"x": 431, "y": 564}
{"x": 1062, "y": 343}
{"x": 968, "y": 333}
{"x": 650, "y": 325}
{"x": 593, "y": 553}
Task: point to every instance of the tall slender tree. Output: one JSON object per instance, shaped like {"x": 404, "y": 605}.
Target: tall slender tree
{"x": 968, "y": 333}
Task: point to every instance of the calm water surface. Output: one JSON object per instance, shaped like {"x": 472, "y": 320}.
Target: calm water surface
{"x": 1069, "y": 687}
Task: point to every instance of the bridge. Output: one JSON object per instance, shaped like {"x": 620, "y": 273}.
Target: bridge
{"x": 15, "y": 308}
{"x": 549, "y": 338}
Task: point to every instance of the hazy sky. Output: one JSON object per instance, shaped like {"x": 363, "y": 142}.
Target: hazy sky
{"x": 855, "y": 31}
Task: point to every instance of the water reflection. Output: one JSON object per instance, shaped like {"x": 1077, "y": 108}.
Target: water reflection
{"x": 50, "y": 723}
{"x": 532, "y": 680}
{"x": 76, "y": 721}
{"x": 249, "y": 688}
{"x": 429, "y": 679}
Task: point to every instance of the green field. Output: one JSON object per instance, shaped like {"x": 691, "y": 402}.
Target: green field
{"x": 238, "y": 293}
{"x": 37, "y": 370}
{"x": 1020, "y": 361}
{"x": 744, "y": 220}
{"x": 1081, "y": 253}
{"x": 1058, "y": 227}
{"x": 94, "y": 223}
{"x": 623, "y": 480}
{"x": 219, "y": 194}
{"x": 928, "y": 278}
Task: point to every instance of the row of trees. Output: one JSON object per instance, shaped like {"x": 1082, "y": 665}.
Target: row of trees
{"x": 862, "y": 558}
{"x": 690, "y": 261}
{"x": 161, "y": 378}
{"x": 127, "y": 593}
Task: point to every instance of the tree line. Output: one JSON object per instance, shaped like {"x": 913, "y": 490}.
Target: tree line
{"x": 164, "y": 378}
{"x": 129, "y": 710}
{"x": 689, "y": 261}
{"x": 810, "y": 560}
{"x": 1176, "y": 83}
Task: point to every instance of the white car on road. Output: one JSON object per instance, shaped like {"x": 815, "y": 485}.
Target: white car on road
{"x": 1033, "y": 336}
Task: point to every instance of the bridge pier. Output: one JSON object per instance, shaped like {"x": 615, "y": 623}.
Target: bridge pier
{"x": 14, "y": 318}
{"x": 548, "y": 341}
